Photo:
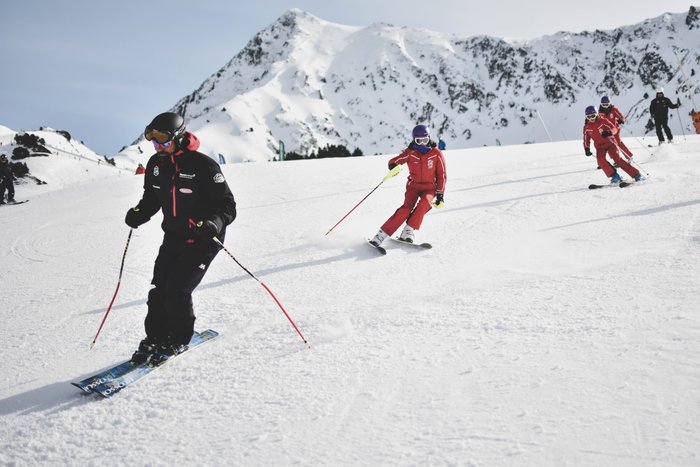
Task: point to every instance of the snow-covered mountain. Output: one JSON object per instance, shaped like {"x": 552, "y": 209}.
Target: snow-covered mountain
{"x": 57, "y": 161}
{"x": 310, "y": 82}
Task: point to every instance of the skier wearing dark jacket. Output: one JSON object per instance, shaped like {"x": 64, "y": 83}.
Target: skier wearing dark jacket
{"x": 659, "y": 113}
{"x": 197, "y": 205}
{"x": 6, "y": 181}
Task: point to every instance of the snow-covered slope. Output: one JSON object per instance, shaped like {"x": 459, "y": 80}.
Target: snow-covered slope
{"x": 68, "y": 163}
{"x": 550, "y": 325}
{"x": 309, "y": 82}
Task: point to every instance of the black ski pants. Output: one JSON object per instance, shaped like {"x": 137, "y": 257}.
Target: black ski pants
{"x": 178, "y": 270}
{"x": 661, "y": 122}
{"x": 7, "y": 184}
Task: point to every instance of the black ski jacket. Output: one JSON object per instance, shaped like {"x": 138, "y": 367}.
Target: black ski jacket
{"x": 188, "y": 187}
{"x": 659, "y": 108}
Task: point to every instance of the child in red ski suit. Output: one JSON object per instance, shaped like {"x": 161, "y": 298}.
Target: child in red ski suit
{"x": 616, "y": 118}
{"x": 601, "y": 130}
{"x": 426, "y": 183}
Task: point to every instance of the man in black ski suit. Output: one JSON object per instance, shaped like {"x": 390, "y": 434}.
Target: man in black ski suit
{"x": 6, "y": 181}
{"x": 659, "y": 113}
{"x": 197, "y": 205}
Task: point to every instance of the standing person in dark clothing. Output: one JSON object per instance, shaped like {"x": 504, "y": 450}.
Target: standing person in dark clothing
{"x": 659, "y": 113}
{"x": 197, "y": 205}
{"x": 6, "y": 181}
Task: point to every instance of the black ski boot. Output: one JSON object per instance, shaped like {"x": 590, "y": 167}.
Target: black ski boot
{"x": 145, "y": 352}
{"x": 165, "y": 351}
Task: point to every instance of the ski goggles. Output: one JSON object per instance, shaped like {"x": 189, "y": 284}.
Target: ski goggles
{"x": 591, "y": 117}
{"x": 605, "y": 106}
{"x": 423, "y": 141}
{"x": 158, "y": 136}
{"x": 156, "y": 144}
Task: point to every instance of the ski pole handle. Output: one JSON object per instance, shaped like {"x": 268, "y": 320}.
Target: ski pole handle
{"x": 392, "y": 173}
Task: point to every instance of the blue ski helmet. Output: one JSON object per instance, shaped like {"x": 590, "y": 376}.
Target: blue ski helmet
{"x": 590, "y": 110}
{"x": 605, "y": 100}
{"x": 420, "y": 131}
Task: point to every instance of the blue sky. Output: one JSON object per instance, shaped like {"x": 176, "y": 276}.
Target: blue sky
{"x": 102, "y": 70}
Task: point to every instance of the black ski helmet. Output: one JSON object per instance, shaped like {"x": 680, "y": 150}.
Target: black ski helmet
{"x": 170, "y": 123}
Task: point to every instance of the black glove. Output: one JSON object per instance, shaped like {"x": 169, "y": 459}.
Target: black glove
{"x": 588, "y": 152}
{"x": 206, "y": 229}
{"x": 439, "y": 198}
{"x": 606, "y": 134}
{"x": 620, "y": 121}
{"x": 133, "y": 218}
{"x": 391, "y": 166}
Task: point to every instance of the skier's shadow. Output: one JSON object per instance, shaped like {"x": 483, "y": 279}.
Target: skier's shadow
{"x": 49, "y": 399}
{"x": 358, "y": 253}
{"x": 641, "y": 212}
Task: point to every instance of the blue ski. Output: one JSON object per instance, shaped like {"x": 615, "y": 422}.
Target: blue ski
{"x": 115, "y": 379}
{"x": 425, "y": 246}
{"x": 92, "y": 382}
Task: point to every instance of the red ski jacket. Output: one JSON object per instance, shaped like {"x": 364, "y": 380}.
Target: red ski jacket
{"x": 613, "y": 114}
{"x": 592, "y": 131}
{"x": 426, "y": 170}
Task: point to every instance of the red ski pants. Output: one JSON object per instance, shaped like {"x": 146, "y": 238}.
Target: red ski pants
{"x": 609, "y": 148}
{"x": 410, "y": 212}
{"x": 623, "y": 147}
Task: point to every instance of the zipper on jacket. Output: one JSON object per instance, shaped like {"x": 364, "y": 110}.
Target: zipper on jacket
{"x": 172, "y": 188}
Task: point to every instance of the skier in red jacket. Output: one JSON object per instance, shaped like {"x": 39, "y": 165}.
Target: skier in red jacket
{"x": 426, "y": 183}
{"x": 615, "y": 116}
{"x": 601, "y": 130}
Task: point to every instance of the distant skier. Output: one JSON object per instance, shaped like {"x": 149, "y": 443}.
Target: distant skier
{"x": 426, "y": 183}
{"x": 602, "y": 131}
{"x": 659, "y": 113}
{"x": 613, "y": 114}
{"x": 6, "y": 181}
{"x": 441, "y": 143}
{"x": 197, "y": 205}
{"x": 140, "y": 170}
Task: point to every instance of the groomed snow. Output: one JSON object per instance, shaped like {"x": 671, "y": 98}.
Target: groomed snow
{"x": 550, "y": 325}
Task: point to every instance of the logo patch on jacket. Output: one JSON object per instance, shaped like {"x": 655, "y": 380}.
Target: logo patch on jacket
{"x": 187, "y": 176}
{"x": 430, "y": 163}
{"x": 156, "y": 171}
{"x": 219, "y": 178}
{"x": 186, "y": 190}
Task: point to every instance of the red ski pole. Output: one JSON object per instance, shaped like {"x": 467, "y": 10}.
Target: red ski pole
{"x": 121, "y": 270}
{"x": 393, "y": 172}
{"x": 266, "y": 288}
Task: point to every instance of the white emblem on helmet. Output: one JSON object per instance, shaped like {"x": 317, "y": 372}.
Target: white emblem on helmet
{"x": 219, "y": 178}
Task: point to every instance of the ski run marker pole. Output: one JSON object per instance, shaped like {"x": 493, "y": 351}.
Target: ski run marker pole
{"x": 392, "y": 173}
{"x": 121, "y": 270}
{"x": 680, "y": 122}
{"x": 265, "y": 287}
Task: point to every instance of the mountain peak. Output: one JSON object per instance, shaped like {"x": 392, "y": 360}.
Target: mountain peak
{"x": 308, "y": 82}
